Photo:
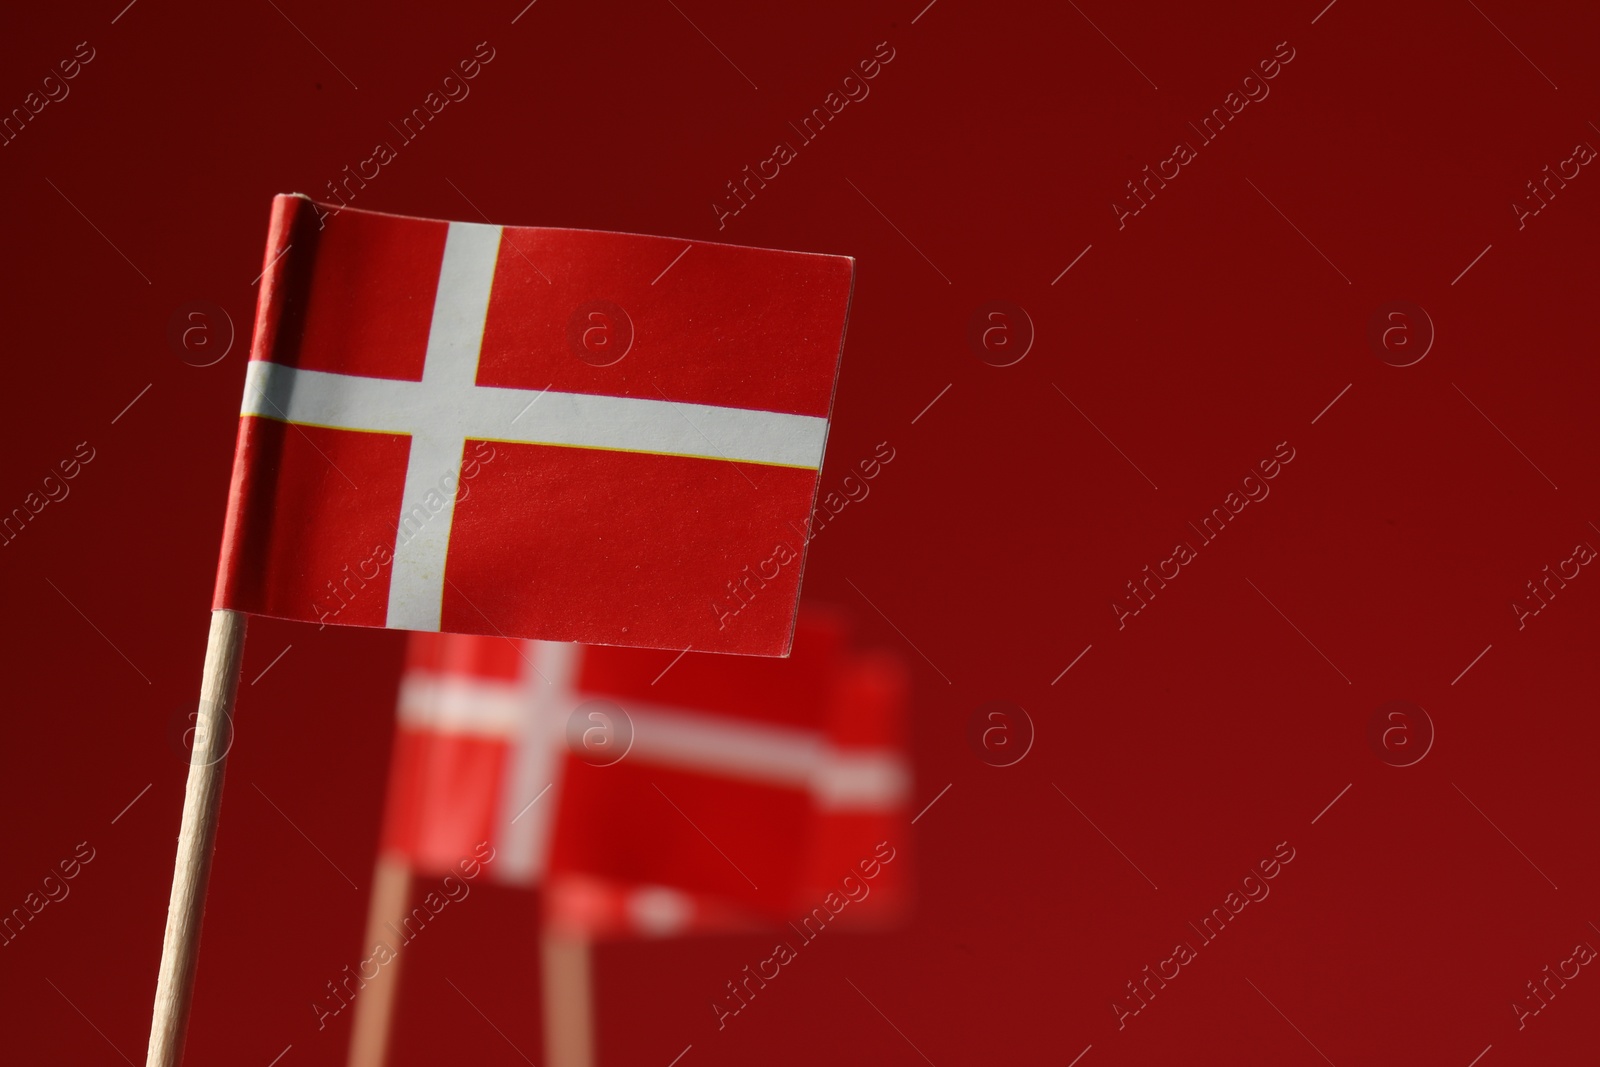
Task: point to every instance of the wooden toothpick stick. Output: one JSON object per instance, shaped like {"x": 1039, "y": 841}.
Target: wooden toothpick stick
{"x": 374, "y": 1018}
{"x": 201, "y": 799}
{"x": 568, "y": 985}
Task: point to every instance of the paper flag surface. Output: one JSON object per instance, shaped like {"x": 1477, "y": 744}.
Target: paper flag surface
{"x": 556, "y": 434}
{"x": 581, "y": 775}
{"x": 761, "y": 789}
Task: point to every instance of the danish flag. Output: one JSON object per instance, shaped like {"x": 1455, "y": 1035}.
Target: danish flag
{"x": 738, "y": 795}
{"x": 554, "y": 434}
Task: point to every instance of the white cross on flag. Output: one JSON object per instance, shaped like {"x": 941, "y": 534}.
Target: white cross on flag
{"x": 556, "y": 434}
{"x": 587, "y": 779}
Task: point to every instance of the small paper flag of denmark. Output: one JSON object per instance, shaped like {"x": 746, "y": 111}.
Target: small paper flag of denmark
{"x": 576, "y": 769}
{"x": 853, "y": 838}
{"x": 755, "y": 783}
{"x": 555, "y": 434}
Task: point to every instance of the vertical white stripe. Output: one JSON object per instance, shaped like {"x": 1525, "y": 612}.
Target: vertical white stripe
{"x": 523, "y": 846}
{"x": 433, "y": 469}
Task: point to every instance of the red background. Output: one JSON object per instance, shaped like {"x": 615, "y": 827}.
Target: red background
{"x": 1196, "y": 338}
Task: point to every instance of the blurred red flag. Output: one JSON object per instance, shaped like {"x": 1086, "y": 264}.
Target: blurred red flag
{"x": 720, "y": 794}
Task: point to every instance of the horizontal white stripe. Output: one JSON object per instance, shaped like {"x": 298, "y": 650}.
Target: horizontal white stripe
{"x": 452, "y": 704}
{"x": 533, "y": 715}
{"x": 659, "y": 911}
{"x": 839, "y": 779}
{"x": 480, "y": 412}
{"x": 862, "y": 780}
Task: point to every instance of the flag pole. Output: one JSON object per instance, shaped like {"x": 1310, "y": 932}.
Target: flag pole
{"x": 568, "y": 995}
{"x": 391, "y": 890}
{"x": 202, "y": 798}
